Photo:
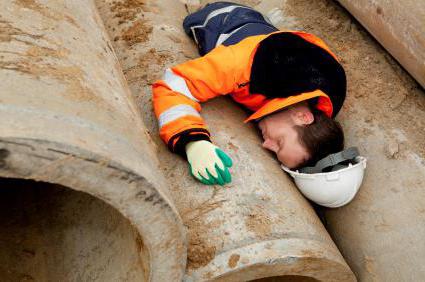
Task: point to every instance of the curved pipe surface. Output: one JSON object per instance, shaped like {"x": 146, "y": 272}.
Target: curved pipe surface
{"x": 68, "y": 118}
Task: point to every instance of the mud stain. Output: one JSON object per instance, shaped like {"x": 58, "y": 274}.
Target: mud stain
{"x": 138, "y": 33}
{"x": 149, "y": 67}
{"x": 233, "y": 260}
{"x": 128, "y": 10}
{"x": 40, "y": 61}
{"x": 258, "y": 222}
{"x": 46, "y": 11}
{"x": 8, "y": 33}
{"x": 71, "y": 76}
{"x": 201, "y": 247}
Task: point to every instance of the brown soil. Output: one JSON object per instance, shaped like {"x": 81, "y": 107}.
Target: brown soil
{"x": 137, "y": 33}
{"x": 199, "y": 253}
{"x": 132, "y": 12}
{"x": 201, "y": 249}
{"x": 258, "y": 222}
{"x": 149, "y": 67}
{"x": 233, "y": 260}
{"x": 127, "y": 10}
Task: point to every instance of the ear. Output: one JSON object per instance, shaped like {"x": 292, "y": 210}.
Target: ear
{"x": 303, "y": 117}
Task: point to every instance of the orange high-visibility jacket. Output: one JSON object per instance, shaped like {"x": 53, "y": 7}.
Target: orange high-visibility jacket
{"x": 225, "y": 70}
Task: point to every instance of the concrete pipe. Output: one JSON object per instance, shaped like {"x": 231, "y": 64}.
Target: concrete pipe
{"x": 259, "y": 226}
{"x": 399, "y": 26}
{"x": 52, "y": 233}
{"x": 67, "y": 117}
{"x": 380, "y": 233}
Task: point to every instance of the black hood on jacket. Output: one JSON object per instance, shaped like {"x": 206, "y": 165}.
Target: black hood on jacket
{"x": 286, "y": 65}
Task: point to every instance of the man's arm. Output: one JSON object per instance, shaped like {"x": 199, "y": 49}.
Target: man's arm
{"x": 176, "y": 100}
{"x": 177, "y": 97}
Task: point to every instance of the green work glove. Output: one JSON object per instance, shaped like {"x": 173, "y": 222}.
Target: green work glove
{"x": 208, "y": 163}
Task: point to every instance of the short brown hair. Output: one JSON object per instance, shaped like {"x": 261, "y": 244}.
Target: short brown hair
{"x": 322, "y": 137}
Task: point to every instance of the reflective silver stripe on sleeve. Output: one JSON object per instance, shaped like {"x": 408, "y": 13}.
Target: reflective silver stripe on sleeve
{"x": 178, "y": 84}
{"x": 223, "y": 37}
{"x": 213, "y": 14}
{"x": 176, "y": 112}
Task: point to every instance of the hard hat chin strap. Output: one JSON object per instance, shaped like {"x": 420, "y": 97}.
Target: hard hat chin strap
{"x": 332, "y": 160}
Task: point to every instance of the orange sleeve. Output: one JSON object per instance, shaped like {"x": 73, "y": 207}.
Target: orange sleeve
{"x": 177, "y": 97}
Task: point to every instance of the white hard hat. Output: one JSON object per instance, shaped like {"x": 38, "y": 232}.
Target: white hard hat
{"x": 334, "y": 188}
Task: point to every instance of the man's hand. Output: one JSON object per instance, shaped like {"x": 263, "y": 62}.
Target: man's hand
{"x": 208, "y": 163}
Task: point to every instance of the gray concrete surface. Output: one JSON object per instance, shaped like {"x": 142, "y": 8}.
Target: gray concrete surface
{"x": 67, "y": 117}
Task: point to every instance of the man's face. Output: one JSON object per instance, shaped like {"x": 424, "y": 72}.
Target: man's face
{"x": 280, "y": 137}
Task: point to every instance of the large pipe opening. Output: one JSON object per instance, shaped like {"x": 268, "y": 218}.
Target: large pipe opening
{"x": 49, "y": 232}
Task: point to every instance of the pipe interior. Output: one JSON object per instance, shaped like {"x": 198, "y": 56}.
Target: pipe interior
{"x": 49, "y": 232}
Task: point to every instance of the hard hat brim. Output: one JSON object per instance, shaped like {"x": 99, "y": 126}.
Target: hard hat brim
{"x": 331, "y": 189}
